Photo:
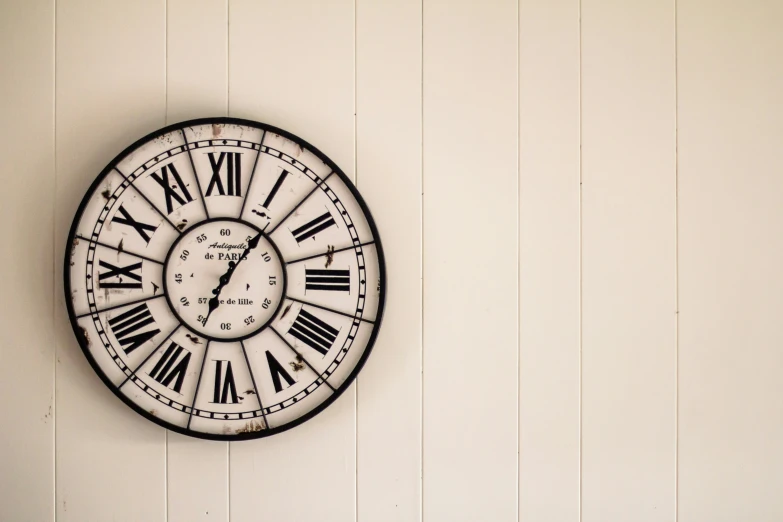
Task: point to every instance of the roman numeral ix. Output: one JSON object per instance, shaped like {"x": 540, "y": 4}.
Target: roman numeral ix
{"x": 277, "y": 371}
{"x": 233, "y": 172}
{"x": 173, "y": 365}
{"x": 138, "y": 226}
{"x": 118, "y": 272}
{"x": 311, "y": 228}
{"x": 126, "y": 327}
{"x": 312, "y": 331}
{"x": 169, "y": 191}
{"x": 225, "y": 388}
{"x": 330, "y": 280}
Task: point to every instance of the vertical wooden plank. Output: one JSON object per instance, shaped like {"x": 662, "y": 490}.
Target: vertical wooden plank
{"x": 730, "y": 77}
{"x": 109, "y": 91}
{"x": 292, "y": 65}
{"x": 470, "y": 261}
{"x": 26, "y": 225}
{"x": 196, "y": 87}
{"x": 628, "y": 261}
{"x": 549, "y": 260}
{"x": 388, "y": 149}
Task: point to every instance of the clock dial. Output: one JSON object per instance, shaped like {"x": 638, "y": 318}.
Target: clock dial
{"x": 224, "y": 279}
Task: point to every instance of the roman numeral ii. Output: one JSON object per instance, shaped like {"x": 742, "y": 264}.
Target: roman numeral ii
{"x": 311, "y": 228}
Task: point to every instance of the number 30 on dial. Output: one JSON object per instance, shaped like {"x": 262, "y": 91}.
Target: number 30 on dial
{"x": 224, "y": 279}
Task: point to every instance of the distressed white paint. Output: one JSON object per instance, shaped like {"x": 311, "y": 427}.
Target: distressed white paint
{"x": 477, "y": 403}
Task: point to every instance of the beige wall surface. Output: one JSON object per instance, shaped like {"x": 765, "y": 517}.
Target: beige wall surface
{"x": 581, "y": 204}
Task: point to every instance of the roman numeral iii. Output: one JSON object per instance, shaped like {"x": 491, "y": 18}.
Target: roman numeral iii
{"x": 126, "y": 327}
{"x": 172, "y": 367}
{"x": 225, "y": 388}
{"x": 277, "y": 371}
{"x": 178, "y": 192}
{"x": 232, "y": 172}
{"x": 116, "y": 272}
{"x": 329, "y": 280}
{"x": 312, "y": 331}
{"x": 127, "y": 219}
{"x": 311, "y": 228}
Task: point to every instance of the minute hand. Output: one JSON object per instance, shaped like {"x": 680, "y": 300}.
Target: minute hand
{"x": 225, "y": 278}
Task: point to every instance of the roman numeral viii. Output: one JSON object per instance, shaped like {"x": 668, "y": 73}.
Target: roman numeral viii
{"x": 330, "y": 280}
{"x": 277, "y": 371}
{"x": 127, "y": 219}
{"x": 225, "y": 389}
{"x": 311, "y": 228}
{"x": 172, "y": 367}
{"x": 233, "y": 173}
{"x": 312, "y": 331}
{"x": 178, "y": 192}
{"x": 117, "y": 272}
{"x": 126, "y": 327}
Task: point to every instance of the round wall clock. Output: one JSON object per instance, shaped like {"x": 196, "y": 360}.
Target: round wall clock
{"x": 224, "y": 279}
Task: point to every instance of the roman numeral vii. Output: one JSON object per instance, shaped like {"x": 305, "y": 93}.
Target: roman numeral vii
{"x": 126, "y": 327}
{"x": 172, "y": 367}
{"x": 233, "y": 173}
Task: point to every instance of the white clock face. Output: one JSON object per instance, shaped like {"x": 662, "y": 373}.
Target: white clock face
{"x": 224, "y": 279}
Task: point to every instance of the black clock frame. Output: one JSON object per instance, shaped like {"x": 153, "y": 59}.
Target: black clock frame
{"x": 83, "y": 341}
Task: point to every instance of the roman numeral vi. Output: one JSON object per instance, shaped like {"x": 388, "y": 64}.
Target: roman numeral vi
{"x": 126, "y": 327}
{"x": 233, "y": 172}
{"x": 173, "y": 365}
{"x": 224, "y": 375}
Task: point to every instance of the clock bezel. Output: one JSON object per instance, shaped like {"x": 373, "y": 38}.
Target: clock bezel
{"x": 84, "y": 345}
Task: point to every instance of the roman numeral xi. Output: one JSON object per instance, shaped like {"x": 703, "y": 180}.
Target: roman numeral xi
{"x": 177, "y": 192}
{"x": 126, "y": 327}
{"x": 233, "y": 174}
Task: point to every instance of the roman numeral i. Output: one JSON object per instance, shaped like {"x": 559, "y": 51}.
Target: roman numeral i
{"x": 173, "y": 365}
{"x": 225, "y": 388}
{"x": 168, "y": 190}
{"x": 233, "y": 173}
{"x": 126, "y": 327}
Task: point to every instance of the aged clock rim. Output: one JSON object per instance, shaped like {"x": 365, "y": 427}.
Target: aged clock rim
{"x": 84, "y": 345}
{"x": 182, "y": 321}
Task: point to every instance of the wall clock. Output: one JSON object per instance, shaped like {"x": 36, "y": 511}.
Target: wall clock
{"x": 224, "y": 278}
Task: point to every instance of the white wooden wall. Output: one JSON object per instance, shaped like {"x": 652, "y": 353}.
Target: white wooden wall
{"x": 581, "y": 204}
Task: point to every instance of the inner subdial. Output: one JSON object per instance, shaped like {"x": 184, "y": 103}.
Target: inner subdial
{"x": 224, "y": 279}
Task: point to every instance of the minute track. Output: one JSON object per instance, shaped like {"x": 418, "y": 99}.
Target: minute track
{"x": 123, "y": 251}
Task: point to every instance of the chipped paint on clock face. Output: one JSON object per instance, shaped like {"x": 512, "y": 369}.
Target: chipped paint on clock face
{"x": 225, "y": 279}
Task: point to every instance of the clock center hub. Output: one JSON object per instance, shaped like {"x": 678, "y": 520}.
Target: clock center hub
{"x": 224, "y": 279}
